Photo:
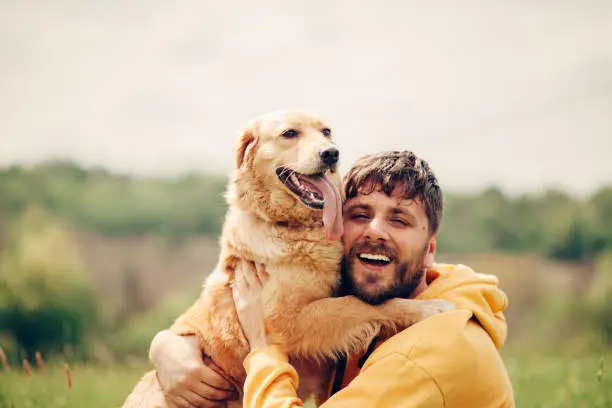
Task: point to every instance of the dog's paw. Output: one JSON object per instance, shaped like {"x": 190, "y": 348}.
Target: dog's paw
{"x": 406, "y": 312}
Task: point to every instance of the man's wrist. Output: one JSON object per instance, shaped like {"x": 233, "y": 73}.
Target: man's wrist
{"x": 259, "y": 340}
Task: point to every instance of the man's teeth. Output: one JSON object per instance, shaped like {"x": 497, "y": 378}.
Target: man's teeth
{"x": 375, "y": 257}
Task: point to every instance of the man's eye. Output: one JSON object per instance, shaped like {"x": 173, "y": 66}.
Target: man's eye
{"x": 357, "y": 216}
{"x": 399, "y": 221}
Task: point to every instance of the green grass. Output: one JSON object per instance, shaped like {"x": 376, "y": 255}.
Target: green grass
{"x": 555, "y": 382}
{"x": 92, "y": 387}
{"x": 538, "y": 381}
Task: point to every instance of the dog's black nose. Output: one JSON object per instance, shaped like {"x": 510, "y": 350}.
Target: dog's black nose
{"x": 329, "y": 156}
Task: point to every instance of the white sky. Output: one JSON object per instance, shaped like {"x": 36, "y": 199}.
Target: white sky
{"x": 516, "y": 93}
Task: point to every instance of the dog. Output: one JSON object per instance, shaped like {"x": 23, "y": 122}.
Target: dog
{"x": 285, "y": 211}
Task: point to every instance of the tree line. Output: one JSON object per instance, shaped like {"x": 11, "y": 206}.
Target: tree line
{"x": 552, "y": 222}
{"x": 47, "y": 296}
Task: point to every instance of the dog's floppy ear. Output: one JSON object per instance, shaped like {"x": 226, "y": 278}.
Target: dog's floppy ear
{"x": 246, "y": 145}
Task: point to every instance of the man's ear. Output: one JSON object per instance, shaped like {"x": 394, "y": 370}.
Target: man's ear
{"x": 245, "y": 150}
{"x": 431, "y": 253}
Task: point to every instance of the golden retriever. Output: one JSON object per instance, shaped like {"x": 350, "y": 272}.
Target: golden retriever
{"x": 284, "y": 210}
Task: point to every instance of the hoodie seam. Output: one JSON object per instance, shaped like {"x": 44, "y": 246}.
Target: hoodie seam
{"x": 431, "y": 378}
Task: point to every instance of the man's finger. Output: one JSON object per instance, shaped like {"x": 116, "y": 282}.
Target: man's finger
{"x": 241, "y": 285}
{"x": 210, "y": 376}
{"x": 241, "y": 272}
{"x": 257, "y": 274}
{"x": 184, "y": 398}
{"x": 178, "y": 401}
{"x": 214, "y": 404}
{"x": 240, "y": 281}
{"x": 194, "y": 398}
{"x": 250, "y": 274}
{"x": 261, "y": 273}
{"x": 211, "y": 393}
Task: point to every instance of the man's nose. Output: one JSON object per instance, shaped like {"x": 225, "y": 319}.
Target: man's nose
{"x": 376, "y": 230}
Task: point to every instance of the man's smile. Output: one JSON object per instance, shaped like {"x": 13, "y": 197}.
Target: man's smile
{"x": 375, "y": 257}
{"x": 374, "y": 262}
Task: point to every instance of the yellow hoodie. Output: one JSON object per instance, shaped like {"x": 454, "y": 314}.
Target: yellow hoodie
{"x": 448, "y": 360}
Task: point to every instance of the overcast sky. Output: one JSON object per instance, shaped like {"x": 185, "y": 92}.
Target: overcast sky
{"x": 515, "y": 93}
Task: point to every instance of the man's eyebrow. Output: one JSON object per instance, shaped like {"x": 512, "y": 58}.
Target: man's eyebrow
{"x": 362, "y": 206}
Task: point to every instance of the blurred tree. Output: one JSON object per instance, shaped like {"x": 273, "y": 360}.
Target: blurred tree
{"x": 599, "y": 210}
{"x": 46, "y": 296}
{"x": 572, "y": 244}
{"x": 116, "y": 204}
{"x": 134, "y": 301}
{"x": 600, "y": 296}
{"x": 553, "y": 223}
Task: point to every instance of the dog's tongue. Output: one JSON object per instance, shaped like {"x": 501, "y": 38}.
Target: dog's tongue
{"x": 332, "y": 207}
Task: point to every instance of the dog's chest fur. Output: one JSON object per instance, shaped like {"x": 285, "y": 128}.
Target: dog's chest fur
{"x": 294, "y": 258}
{"x": 247, "y": 236}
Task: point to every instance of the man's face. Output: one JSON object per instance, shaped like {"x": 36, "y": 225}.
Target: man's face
{"x": 387, "y": 245}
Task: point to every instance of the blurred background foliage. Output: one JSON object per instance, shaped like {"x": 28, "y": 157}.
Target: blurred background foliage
{"x": 46, "y": 293}
{"x": 88, "y": 259}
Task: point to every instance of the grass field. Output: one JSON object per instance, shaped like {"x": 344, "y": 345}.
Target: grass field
{"x": 538, "y": 382}
{"x": 92, "y": 387}
{"x": 554, "y": 382}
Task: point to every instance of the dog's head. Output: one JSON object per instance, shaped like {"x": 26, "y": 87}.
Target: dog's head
{"x": 287, "y": 171}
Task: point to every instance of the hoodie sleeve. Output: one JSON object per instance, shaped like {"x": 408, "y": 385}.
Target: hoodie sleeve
{"x": 389, "y": 382}
{"x": 271, "y": 381}
{"x": 476, "y": 292}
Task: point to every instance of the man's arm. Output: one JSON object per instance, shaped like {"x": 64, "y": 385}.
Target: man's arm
{"x": 392, "y": 381}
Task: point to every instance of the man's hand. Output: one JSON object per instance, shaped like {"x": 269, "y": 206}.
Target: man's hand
{"x": 186, "y": 378}
{"x": 247, "y": 290}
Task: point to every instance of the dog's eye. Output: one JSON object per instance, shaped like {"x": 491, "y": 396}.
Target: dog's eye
{"x": 289, "y": 134}
{"x": 326, "y": 132}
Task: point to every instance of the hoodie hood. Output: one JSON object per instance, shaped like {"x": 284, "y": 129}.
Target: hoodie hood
{"x": 473, "y": 291}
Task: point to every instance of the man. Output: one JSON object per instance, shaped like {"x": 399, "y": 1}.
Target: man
{"x": 391, "y": 216}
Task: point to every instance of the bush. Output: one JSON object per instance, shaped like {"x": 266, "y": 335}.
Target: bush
{"x": 46, "y": 296}
{"x": 600, "y": 297}
{"x": 135, "y": 336}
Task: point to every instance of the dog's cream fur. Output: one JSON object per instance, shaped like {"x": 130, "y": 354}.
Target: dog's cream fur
{"x": 267, "y": 223}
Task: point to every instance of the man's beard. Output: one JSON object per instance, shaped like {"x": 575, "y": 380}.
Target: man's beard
{"x": 407, "y": 277}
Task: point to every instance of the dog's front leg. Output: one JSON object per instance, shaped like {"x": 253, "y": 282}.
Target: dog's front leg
{"x": 331, "y": 326}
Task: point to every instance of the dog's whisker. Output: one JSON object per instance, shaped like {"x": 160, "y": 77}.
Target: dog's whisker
{"x": 290, "y": 166}
{"x": 289, "y": 171}
{"x": 285, "y": 170}
{"x": 307, "y": 166}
